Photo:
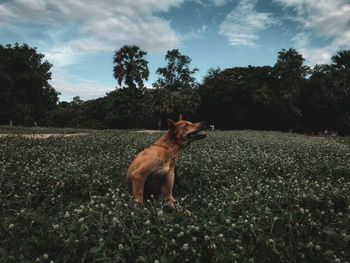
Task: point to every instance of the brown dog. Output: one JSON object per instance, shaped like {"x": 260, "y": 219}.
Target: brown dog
{"x": 153, "y": 170}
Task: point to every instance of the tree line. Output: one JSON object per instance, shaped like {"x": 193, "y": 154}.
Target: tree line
{"x": 286, "y": 96}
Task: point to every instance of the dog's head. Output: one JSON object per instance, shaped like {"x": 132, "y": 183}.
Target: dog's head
{"x": 185, "y": 132}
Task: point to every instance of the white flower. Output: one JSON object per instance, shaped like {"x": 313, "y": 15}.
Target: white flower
{"x": 11, "y": 226}
{"x": 160, "y": 213}
{"x": 213, "y": 246}
{"x": 181, "y": 234}
{"x": 147, "y": 222}
{"x": 45, "y": 256}
{"x": 120, "y": 247}
{"x": 67, "y": 214}
{"x": 81, "y": 219}
{"x": 228, "y": 221}
{"x": 310, "y": 244}
{"x": 206, "y": 237}
{"x": 185, "y": 247}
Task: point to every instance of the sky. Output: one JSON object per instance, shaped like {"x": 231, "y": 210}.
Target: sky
{"x": 79, "y": 37}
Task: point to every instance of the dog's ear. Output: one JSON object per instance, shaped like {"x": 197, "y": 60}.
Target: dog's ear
{"x": 180, "y": 117}
{"x": 171, "y": 125}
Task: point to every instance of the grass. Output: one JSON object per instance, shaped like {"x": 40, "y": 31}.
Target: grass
{"x": 343, "y": 139}
{"x": 254, "y": 197}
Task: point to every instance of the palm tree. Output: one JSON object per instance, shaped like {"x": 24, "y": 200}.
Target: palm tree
{"x": 131, "y": 67}
{"x": 342, "y": 60}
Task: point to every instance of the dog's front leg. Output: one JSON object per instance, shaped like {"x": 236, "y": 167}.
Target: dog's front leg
{"x": 138, "y": 178}
{"x": 167, "y": 188}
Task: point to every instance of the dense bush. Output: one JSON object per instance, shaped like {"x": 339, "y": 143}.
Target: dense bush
{"x": 254, "y": 197}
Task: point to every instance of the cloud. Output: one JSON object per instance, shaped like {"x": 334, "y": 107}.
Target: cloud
{"x": 195, "y": 34}
{"x": 101, "y": 25}
{"x": 211, "y": 3}
{"x": 71, "y": 85}
{"x": 67, "y": 31}
{"x": 220, "y": 2}
{"x": 61, "y": 56}
{"x": 323, "y": 20}
{"x": 243, "y": 24}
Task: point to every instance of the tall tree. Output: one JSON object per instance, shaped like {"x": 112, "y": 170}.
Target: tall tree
{"x": 131, "y": 67}
{"x": 177, "y": 74}
{"x": 291, "y": 73}
{"x": 25, "y": 93}
{"x": 341, "y": 73}
{"x": 178, "y": 84}
{"x": 340, "y": 76}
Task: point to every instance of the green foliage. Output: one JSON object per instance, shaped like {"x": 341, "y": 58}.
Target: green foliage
{"x": 287, "y": 96}
{"x": 326, "y": 99}
{"x": 241, "y": 97}
{"x": 175, "y": 91}
{"x": 281, "y": 97}
{"x": 25, "y": 94}
{"x": 177, "y": 74}
{"x": 131, "y": 68}
{"x": 254, "y": 197}
{"x": 78, "y": 113}
{"x": 124, "y": 108}
{"x": 290, "y": 72}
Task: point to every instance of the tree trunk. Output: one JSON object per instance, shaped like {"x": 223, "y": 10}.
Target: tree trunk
{"x": 11, "y": 123}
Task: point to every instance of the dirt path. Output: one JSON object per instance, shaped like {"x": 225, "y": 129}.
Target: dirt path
{"x": 42, "y": 135}
{"x": 150, "y": 131}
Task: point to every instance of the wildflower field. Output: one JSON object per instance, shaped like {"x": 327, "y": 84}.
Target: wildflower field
{"x": 254, "y": 197}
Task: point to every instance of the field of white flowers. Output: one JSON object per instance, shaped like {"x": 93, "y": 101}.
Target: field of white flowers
{"x": 254, "y": 197}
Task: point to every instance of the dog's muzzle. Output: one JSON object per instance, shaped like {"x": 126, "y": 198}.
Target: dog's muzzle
{"x": 198, "y": 133}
